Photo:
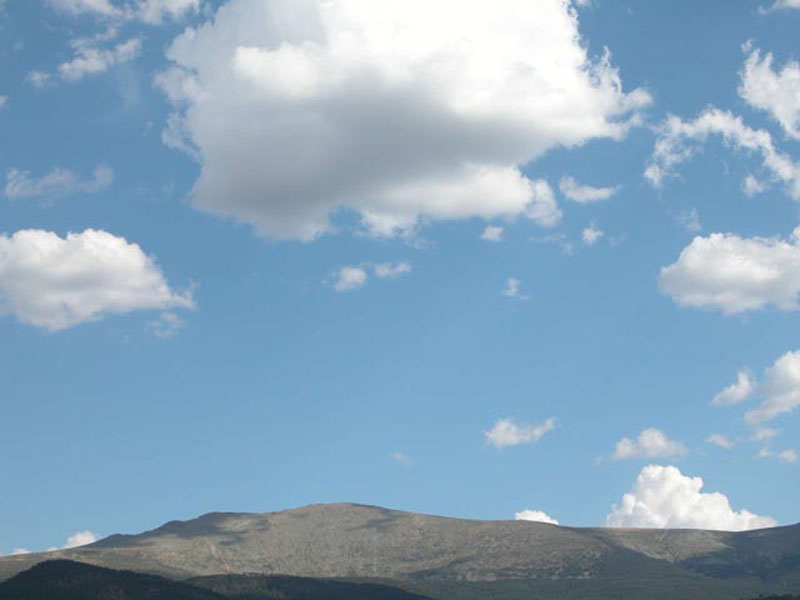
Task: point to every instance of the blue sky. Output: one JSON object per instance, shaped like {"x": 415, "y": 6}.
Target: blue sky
{"x": 258, "y": 254}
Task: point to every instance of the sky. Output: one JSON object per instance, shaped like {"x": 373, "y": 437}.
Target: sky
{"x": 492, "y": 260}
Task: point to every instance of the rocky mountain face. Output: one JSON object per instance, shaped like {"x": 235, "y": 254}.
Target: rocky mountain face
{"x": 455, "y": 558}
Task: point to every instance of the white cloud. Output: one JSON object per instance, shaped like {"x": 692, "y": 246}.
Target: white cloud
{"x": 58, "y": 182}
{"x": 3, "y": 101}
{"x": 400, "y": 458}
{"x": 81, "y": 538}
{"x": 512, "y": 289}
{"x": 733, "y": 274}
{"x": 534, "y": 515}
{"x": 153, "y": 12}
{"x": 784, "y": 456}
{"x": 507, "y": 433}
{"x": 752, "y": 186}
{"x": 97, "y": 7}
{"x": 38, "y": 79}
{"x": 777, "y": 93}
{"x": 492, "y": 233}
{"x": 350, "y": 278}
{"x": 651, "y": 443}
{"x": 780, "y": 4}
{"x": 585, "y": 194}
{"x": 591, "y": 235}
{"x": 764, "y": 433}
{"x": 55, "y": 283}
{"x": 674, "y": 146}
{"x": 780, "y": 390}
{"x": 391, "y": 270}
{"x": 403, "y": 112}
{"x": 92, "y": 60}
{"x": 167, "y": 325}
{"x": 690, "y": 220}
{"x": 720, "y": 440}
{"x": 662, "y": 497}
{"x": 738, "y": 391}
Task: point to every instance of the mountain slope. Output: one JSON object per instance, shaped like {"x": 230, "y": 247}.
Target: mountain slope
{"x": 67, "y": 580}
{"x": 489, "y": 558}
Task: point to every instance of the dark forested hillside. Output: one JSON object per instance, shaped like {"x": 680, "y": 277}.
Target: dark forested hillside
{"x": 68, "y": 580}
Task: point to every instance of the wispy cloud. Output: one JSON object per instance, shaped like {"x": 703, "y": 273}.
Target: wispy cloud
{"x": 58, "y": 182}
{"x": 585, "y": 194}
{"x": 506, "y": 432}
{"x": 512, "y": 289}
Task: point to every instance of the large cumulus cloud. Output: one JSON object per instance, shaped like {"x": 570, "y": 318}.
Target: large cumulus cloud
{"x": 398, "y": 112}
{"x": 54, "y": 283}
{"x": 663, "y": 497}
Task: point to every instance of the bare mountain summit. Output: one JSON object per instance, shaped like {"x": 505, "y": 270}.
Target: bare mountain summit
{"x": 455, "y": 558}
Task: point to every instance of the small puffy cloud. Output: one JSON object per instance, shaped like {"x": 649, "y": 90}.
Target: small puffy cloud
{"x": 585, "y": 194}
{"x": 784, "y": 456}
{"x": 400, "y": 458}
{"x": 733, "y": 274}
{"x": 663, "y": 497}
{"x": 651, "y": 443}
{"x": 55, "y": 283}
{"x": 412, "y": 115}
{"x": 752, "y": 186}
{"x": 92, "y": 60}
{"x": 507, "y": 433}
{"x": 391, "y": 270}
{"x": 82, "y": 538}
{"x": 56, "y": 183}
{"x": 722, "y": 441}
{"x": 677, "y": 139}
{"x": 690, "y": 220}
{"x": 512, "y": 289}
{"x": 591, "y": 234}
{"x": 739, "y": 391}
{"x": 780, "y": 390}
{"x": 350, "y": 278}
{"x": 534, "y": 515}
{"x": 492, "y": 233}
{"x": 3, "y": 101}
{"x": 776, "y": 93}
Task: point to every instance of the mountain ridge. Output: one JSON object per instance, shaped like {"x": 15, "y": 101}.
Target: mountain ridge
{"x": 361, "y": 541}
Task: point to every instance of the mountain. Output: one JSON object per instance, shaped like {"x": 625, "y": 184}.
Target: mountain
{"x": 69, "y": 580}
{"x": 456, "y": 558}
